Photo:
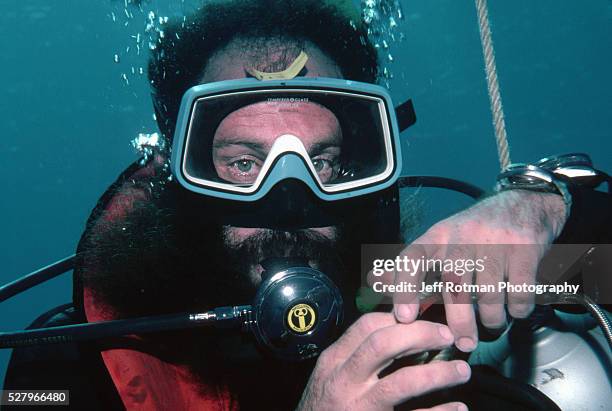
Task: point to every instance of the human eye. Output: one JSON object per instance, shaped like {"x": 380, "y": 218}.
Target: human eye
{"x": 242, "y": 170}
{"x": 326, "y": 168}
{"x": 243, "y": 165}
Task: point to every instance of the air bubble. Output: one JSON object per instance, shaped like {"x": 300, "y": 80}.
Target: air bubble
{"x": 147, "y": 144}
{"x": 382, "y": 20}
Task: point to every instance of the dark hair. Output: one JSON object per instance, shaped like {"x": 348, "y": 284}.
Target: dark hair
{"x": 179, "y": 61}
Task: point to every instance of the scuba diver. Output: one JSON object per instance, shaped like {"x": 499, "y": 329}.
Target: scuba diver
{"x": 285, "y": 160}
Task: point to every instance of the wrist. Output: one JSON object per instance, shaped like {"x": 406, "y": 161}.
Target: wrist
{"x": 543, "y": 213}
{"x": 555, "y": 209}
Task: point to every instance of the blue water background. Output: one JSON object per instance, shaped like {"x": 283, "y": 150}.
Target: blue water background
{"x": 68, "y": 116}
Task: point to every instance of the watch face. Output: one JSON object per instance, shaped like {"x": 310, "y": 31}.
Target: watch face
{"x": 574, "y": 167}
{"x": 563, "y": 161}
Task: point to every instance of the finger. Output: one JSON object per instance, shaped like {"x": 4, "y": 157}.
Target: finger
{"x": 462, "y": 322}
{"x": 491, "y": 309}
{"x": 522, "y": 268}
{"x": 385, "y": 344}
{"x": 356, "y": 334}
{"x": 417, "y": 380}
{"x": 460, "y": 315}
{"x": 406, "y": 305}
{"x": 449, "y": 406}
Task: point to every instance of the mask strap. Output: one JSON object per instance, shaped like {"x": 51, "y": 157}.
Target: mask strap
{"x": 287, "y": 74}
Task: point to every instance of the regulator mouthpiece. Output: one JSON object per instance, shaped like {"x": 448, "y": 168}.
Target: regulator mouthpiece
{"x": 297, "y": 312}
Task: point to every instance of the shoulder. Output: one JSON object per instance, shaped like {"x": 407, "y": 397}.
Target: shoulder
{"x": 132, "y": 185}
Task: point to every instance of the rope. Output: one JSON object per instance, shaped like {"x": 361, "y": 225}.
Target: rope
{"x": 501, "y": 138}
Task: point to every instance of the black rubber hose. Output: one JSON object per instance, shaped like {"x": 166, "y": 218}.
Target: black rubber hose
{"x": 92, "y": 331}
{"x": 442, "y": 182}
{"x": 37, "y": 277}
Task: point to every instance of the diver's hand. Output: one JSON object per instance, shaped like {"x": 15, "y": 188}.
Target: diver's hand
{"x": 346, "y": 375}
{"x": 510, "y": 218}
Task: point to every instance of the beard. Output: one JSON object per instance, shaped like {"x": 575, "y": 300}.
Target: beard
{"x": 154, "y": 261}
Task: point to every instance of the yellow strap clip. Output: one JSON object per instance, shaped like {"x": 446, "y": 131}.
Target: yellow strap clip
{"x": 287, "y": 74}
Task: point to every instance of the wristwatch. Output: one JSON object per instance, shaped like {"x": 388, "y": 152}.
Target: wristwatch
{"x": 551, "y": 175}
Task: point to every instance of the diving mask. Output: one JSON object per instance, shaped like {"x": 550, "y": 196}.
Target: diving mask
{"x": 237, "y": 139}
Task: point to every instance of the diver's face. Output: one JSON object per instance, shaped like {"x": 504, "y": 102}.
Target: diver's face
{"x": 244, "y": 137}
